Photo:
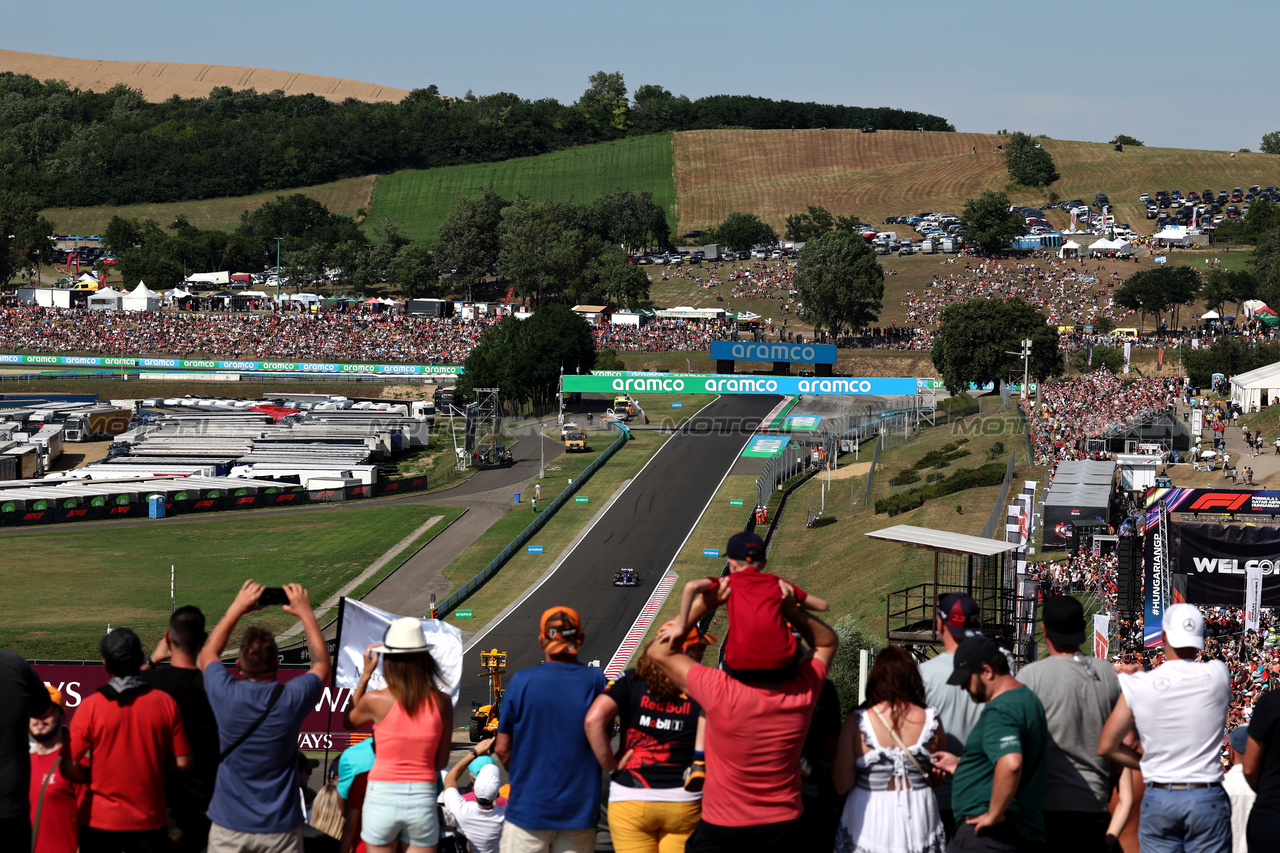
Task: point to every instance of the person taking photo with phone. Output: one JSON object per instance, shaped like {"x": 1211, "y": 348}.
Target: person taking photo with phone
{"x": 255, "y": 802}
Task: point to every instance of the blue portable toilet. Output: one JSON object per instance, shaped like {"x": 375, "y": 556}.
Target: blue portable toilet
{"x": 155, "y": 506}
{"x": 517, "y": 497}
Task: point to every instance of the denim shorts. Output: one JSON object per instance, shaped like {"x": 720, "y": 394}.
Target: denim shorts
{"x": 404, "y": 811}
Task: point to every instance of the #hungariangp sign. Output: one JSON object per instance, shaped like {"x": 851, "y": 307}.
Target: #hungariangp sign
{"x": 793, "y": 353}
{"x": 603, "y": 382}
{"x": 151, "y": 363}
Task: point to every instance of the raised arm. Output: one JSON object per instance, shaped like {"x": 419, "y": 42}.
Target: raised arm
{"x": 1111, "y": 743}
{"x": 818, "y": 634}
{"x": 300, "y": 605}
{"x": 246, "y": 601}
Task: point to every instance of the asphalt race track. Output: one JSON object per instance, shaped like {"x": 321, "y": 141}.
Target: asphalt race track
{"x": 643, "y": 530}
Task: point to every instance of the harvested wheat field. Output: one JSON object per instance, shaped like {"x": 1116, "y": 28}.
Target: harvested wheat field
{"x": 159, "y": 81}
{"x": 774, "y": 173}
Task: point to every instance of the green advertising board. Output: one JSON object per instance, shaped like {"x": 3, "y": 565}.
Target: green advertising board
{"x": 581, "y": 499}
{"x": 462, "y": 614}
{"x": 735, "y": 503}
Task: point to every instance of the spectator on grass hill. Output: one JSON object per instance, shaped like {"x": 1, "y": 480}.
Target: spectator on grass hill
{"x": 412, "y": 724}
{"x": 188, "y": 793}
{"x": 754, "y": 736}
{"x": 957, "y": 619}
{"x": 255, "y": 803}
{"x": 22, "y": 696}
{"x": 1180, "y": 710}
{"x": 132, "y": 735}
{"x": 1078, "y": 693}
{"x": 998, "y": 785}
{"x": 55, "y": 800}
{"x": 554, "y": 804}
{"x": 659, "y": 725}
{"x": 480, "y": 820}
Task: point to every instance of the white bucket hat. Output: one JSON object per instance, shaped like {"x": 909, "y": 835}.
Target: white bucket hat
{"x": 404, "y": 636}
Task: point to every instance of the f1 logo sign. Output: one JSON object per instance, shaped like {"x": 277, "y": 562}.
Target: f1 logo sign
{"x": 1220, "y": 500}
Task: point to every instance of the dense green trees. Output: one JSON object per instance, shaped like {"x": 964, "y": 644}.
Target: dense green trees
{"x": 71, "y": 148}
{"x": 1270, "y": 143}
{"x": 988, "y": 222}
{"x": 976, "y": 336}
{"x": 524, "y": 358}
{"x": 839, "y": 281}
{"x": 741, "y": 231}
{"x": 802, "y": 227}
{"x": 24, "y": 235}
{"x": 1161, "y": 290}
{"x": 1027, "y": 161}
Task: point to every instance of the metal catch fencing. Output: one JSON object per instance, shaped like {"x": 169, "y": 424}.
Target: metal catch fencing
{"x": 447, "y": 606}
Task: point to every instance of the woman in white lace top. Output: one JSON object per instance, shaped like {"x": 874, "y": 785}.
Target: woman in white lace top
{"x": 883, "y": 758}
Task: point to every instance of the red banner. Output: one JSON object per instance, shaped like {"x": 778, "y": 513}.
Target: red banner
{"x": 322, "y": 729}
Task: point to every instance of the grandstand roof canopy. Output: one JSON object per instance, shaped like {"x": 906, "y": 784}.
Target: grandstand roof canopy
{"x": 942, "y": 540}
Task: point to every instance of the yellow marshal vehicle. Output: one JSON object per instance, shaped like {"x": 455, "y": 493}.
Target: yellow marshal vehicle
{"x": 484, "y": 718}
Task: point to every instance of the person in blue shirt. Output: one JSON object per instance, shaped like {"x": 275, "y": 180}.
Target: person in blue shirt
{"x": 255, "y": 803}
{"x": 554, "y": 804}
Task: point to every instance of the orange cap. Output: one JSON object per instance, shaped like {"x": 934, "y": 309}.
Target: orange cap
{"x": 562, "y": 629}
{"x": 55, "y": 696}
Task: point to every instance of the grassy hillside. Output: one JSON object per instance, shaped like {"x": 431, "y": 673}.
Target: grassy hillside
{"x": 776, "y": 172}
{"x": 418, "y": 201}
{"x": 223, "y": 214}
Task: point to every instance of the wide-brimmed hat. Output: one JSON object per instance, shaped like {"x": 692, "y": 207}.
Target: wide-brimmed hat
{"x": 404, "y": 636}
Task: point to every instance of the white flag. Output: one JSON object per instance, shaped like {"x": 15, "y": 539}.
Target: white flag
{"x": 1252, "y": 598}
{"x": 1101, "y": 631}
{"x": 363, "y": 625}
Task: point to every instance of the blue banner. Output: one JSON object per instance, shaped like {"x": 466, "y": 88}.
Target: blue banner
{"x": 765, "y": 351}
{"x": 727, "y": 383}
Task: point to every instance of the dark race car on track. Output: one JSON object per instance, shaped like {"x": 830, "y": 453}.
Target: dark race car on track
{"x": 626, "y": 577}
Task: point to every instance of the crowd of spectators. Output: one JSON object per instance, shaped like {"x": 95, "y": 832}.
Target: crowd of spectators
{"x": 1090, "y": 407}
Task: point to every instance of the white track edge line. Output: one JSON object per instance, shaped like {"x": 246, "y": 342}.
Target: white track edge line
{"x": 546, "y": 576}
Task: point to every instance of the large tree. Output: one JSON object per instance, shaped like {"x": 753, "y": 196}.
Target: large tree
{"x": 741, "y": 231}
{"x": 530, "y": 253}
{"x": 976, "y": 337}
{"x": 988, "y": 222}
{"x": 24, "y": 235}
{"x": 468, "y": 245}
{"x": 1270, "y": 143}
{"x": 523, "y": 359}
{"x": 802, "y": 227}
{"x": 1028, "y": 162}
{"x": 840, "y": 283}
{"x": 1159, "y": 291}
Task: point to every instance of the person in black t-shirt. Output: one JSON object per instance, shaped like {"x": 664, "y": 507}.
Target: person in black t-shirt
{"x": 22, "y": 696}
{"x": 659, "y": 725}
{"x": 189, "y": 793}
{"x": 1262, "y": 771}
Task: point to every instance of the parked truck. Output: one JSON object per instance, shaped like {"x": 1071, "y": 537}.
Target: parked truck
{"x": 92, "y": 424}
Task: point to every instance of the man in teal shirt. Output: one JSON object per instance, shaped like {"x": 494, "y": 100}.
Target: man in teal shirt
{"x": 998, "y": 788}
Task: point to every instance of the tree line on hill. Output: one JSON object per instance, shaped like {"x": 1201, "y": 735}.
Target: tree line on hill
{"x": 71, "y": 148}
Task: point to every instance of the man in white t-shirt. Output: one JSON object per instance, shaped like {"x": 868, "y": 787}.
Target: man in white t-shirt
{"x": 1180, "y": 711}
{"x": 480, "y": 820}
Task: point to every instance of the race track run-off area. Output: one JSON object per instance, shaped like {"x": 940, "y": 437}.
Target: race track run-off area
{"x": 643, "y": 529}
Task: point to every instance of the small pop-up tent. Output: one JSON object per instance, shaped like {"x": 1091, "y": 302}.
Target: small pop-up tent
{"x": 141, "y": 298}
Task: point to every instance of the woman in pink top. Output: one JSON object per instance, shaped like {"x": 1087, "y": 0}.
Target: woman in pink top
{"x": 412, "y": 723}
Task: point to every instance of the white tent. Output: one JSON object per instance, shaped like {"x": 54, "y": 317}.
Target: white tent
{"x": 1251, "y": 306}
{"x": 1210, "y": 315}
{"x": 105, "y": 299}
{"x": 176, "y": 293}
{"x": 141, "y": 298}
{"x": 1257, "y": 388}
{"x": 1173, "y": 236}
{"x": 87, "y": 277}
{"x": 1069, "y": 249}
{"x": 1103, "y": 245}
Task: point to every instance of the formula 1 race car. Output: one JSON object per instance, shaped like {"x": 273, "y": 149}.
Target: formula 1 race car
{"x": 626, "y": 577}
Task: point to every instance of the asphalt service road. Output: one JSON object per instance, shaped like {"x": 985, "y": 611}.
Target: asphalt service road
{"x": 643, "y": 530}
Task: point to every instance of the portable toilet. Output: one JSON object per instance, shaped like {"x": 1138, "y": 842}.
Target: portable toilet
{"x": 155, "y": 506}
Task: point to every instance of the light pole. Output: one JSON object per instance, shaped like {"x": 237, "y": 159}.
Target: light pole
{"x": 278, "y": 239}
{"x": 688, "y": 367}
{"x": 1025, "y": 352}
{"x": 542, "y": 450}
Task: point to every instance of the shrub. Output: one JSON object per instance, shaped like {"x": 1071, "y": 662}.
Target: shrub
{"x": 991, "y": 474}
{"x": 994, "y": 451}
{"x": 905, "y": 477}
{"x": 844, "y": 666}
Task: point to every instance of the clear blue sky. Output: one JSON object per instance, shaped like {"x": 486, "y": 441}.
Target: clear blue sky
{"x": 1086, "y": 70}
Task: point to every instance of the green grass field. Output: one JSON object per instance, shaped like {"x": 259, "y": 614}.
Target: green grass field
{"x": 417, "y": 202}
{"x": 346, "y": 197}
{"x": 64, "y": 586}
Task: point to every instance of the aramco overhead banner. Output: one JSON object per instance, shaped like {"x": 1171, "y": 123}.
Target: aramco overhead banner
{"x": 1217, "y": 558}
{"x": 773, "y": 351}
{"x": 711, "y": 383}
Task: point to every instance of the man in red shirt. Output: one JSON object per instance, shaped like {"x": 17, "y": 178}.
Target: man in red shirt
{"x": 133, "y": 735}
{"x": 55, "y": 801}
{"x": 754, "y": 736}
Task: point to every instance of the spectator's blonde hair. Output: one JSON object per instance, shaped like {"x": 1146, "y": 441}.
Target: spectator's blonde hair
{"x": 660, "y": 687}
{"x": 326, "y": 812}
{"x": 413, "y": 679}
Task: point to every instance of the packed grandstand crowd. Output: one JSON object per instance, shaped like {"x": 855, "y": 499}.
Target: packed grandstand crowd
{"x": 1090, "y": 407}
